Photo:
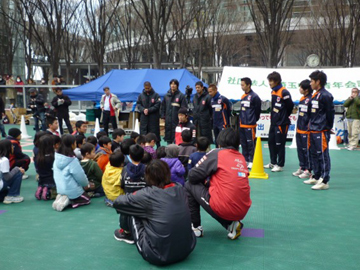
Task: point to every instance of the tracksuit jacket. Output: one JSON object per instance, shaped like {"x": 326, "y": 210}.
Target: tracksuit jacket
{"x": 250, "y": 110}
{"x": 281, "y": 106}
{"x": 221, "y": 111}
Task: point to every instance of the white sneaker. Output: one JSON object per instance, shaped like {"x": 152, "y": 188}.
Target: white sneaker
{"x": 305, "y": 175}
{"x": 13, "y": 199}
{"x": 25, "y": 176}
{"x": 320, "y": 185}
{"x": 250, "y": 165}
{"x": 277, "y": 169}
{"x": 298, "y": 172}
{"x": 269, "y": 166}
{"x": 312, "y": 181}
{"x": 61, "y": 202}
{"x": 198, "y": 231}
{"x": 350, "y": 148}
{"x": 234, "y": 230}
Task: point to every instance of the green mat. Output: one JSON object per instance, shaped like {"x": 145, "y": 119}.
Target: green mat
{"x": 303, "y": 229}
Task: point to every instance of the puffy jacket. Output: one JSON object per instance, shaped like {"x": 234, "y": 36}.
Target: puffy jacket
{"x": 202, "y": 115}
{"x": 322, "y": 111}
{"x": 111, "y": 182}
{"x": 36, "y": 103}
{"x": 132, "y": 177}
{"x": 221, "y": 107}
{"x": 69, "y": 176}
{"x": 169, "y": 110}
{"x": 250, "y": 110}
{"x": 164, "y": 215}
{"x": 281, "y": 106}
{"x": 151, "y": 122}
{"x": 304, "y": 114}
{"x": 17, "y": 153}
{"x": 185, "y": 126}
{"x": 92, "y": 171}
{"x": 353, "y": 105}
{"x": 62, "y": 110}
{"x": 177, "y": 170}
{"x": 229, "y": 184}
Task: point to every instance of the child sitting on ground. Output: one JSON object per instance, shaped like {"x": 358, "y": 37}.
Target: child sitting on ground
{"x": 150, "y": 141}
{"x": 132, "y": 180}
{"x": 37, "y": 137}
{"x": 92, "y": 170}
{"x": 111, "y": 180}
{"x": 80, "y": 128}
{"x": 160, "y": 152}
{"x": 141, "y": 140}
{"x": 10, "y": 180}
{"x": 53, "y": 125}
{"x": 44, "y": 161}
{"x": 146, "y": 158}
{"x": 186, "y": 149}
{"x": 202, "y": 145}
{"x": 134, "y": 135}
{"x": 125, "y": 149}
{"x": 80, "y": 140}
{"x": 118, "y": 136}
{"x": 18, "y": 158}
{"x": 104, "y": 152}
{"x": 69, "y": 176}
{"x": 93, "y": 141}
{"x": 176, "y": 168}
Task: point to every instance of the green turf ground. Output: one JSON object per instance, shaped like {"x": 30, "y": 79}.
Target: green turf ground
{"x": 303, "y": 229}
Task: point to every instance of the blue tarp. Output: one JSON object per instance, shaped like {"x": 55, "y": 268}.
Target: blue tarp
{"x": 128, "y": 84}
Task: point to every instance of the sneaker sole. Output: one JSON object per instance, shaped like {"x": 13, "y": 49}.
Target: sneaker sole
{"x": 238, "y": 232}
{"x": 131, "y": 242}
{"x": 10, "y": 202}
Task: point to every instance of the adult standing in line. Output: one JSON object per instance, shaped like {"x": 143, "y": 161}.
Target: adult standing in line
{"x": 11, "y": 92}
{"x": 61, "y": 104}
{"x": 281, "y": 108}
{"x": 249, "y": 115}
{"x": 353, "y": 118}
{"x": 221, "y": 111}
{"x": 202, "y": 112}
{"x": 148, "y": 104}
{"x": 173, "y": 101}
{"x": 36, "y": 104}
{"x": 321, "y": 122}
{"x": 109, "y": 104}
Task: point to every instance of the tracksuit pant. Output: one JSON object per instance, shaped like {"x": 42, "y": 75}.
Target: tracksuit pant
{"x": 320, "y": 156}
{"x": 247, "y": 141}
{"x": 217, "y": 130}
{"x": 277, "y": 141}
{"x": 302, "y": 143}
{"x": 199, "y": 195}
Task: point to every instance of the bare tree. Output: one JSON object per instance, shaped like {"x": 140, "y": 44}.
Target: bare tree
{"x": 274, "y": 27}
{"x": 98, "y": 17}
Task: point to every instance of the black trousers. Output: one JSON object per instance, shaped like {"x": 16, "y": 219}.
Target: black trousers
{"x": 247, "y": 141}
{"x": 199, "y": 195}
{"x": 217, "y": 130}
{"x": 107, "y": 119}
{"x": 302, "y": 143}
{"x": 277, "y": 141}
{"x": 67, "y": 122}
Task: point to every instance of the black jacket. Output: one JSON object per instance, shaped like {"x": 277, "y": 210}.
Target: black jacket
{"x": 281, "y": 106}
{"x": 132, "y": 178}
{"x": 169, "y": 110}
{"x": 36, "y": 103}
{"x": 2, "y": 107}
{"x": 149, "y": 123}
{"x": 322, "y": 111}
{"x": 165, "y": 234}
{"x": 62, "y": 110}
{"x": 202, "y": 115}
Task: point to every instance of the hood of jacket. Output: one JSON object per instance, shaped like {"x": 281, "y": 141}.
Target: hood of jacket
{"x": 135, "y": 171}
{"x": 171, "y": 161}
{"x": 63, "y": 161}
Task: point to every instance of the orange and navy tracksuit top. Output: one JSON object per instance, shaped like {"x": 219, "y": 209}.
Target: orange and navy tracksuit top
{"x": 221, "y": 107}
{"x": 281, "y": 106}
{"x": 322, "y": 111}
{"x": 250, "y": 110}
{"x": 304, "y": 115}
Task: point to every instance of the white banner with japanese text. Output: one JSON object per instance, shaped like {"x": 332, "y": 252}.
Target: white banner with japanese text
{"x": 340, "y": 81}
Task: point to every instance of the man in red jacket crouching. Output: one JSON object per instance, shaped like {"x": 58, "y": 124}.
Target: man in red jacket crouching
{"x": 219, "y": 183}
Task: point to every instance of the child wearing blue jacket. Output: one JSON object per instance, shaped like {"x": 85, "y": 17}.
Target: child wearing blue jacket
{"x": 69, "y": 177}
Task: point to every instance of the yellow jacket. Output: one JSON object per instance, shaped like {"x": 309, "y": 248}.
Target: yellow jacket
{"x": 111, "y": 182}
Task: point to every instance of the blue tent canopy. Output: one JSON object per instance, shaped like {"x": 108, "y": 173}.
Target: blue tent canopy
{"x": 128, "y": 84}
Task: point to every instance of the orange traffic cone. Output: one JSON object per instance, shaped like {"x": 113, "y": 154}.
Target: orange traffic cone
{"x": 257, "y": 170}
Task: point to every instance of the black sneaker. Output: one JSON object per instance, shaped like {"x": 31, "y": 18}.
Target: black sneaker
{"x": 120, "y": 235}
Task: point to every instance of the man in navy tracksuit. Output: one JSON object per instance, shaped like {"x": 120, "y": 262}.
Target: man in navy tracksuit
{"x": 221, "y": 110}
{"x": 302, "y": 131}
{"x": 320, "y": 124}
{"x": 281, "y": 108}
{"x": 249, "y": 115}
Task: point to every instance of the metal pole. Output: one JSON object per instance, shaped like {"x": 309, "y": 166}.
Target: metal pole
{"x": 24, "y": 96}
{"x": 79, "y": 103}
